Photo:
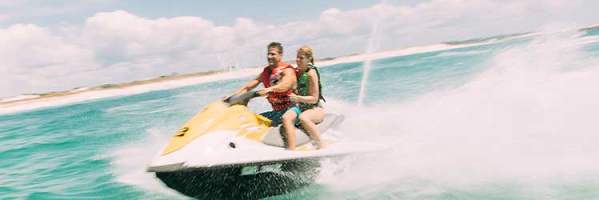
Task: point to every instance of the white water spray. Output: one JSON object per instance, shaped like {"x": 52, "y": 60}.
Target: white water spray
{"x": 130, "y": 161}
{"x": 528, "y": 120}
{"x": 373, "y": 42}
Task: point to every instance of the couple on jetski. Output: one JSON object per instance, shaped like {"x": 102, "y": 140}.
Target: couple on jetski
{"x": 291, "y": 106}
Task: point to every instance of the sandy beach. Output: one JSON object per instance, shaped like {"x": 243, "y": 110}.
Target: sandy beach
{"x": 35, "y": 101}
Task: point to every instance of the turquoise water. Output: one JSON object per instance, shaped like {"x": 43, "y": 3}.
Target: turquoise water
{"x": 509, "y": 120}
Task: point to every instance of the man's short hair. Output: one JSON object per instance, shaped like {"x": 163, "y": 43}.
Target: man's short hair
{"x": 276, "y": 45}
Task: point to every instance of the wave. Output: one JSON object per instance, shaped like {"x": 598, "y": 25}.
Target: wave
{"x": 528, "y": 118}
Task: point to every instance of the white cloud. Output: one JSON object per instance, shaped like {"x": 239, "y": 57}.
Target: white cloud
{"x": 11, "y": 4}
{"x": 34, "y": 59}
{"x": 24, "y": 9}
{"x": 119, "y": 46}
{"x": 171, "y": 44}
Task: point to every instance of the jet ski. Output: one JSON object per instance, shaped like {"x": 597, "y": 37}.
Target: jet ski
{"x": 228, "y": 152}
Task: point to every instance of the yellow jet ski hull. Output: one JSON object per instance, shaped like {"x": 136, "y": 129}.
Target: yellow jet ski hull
{"x": 220, "y": 116}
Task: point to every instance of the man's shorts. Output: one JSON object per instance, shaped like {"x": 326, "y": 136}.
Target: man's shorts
{"x": 276, "y": 116}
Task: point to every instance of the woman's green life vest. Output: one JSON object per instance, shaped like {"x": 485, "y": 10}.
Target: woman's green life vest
{"x": 303, "y": 89}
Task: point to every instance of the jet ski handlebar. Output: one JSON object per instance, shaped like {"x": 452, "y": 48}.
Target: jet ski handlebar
{"x": 242, "y": 99}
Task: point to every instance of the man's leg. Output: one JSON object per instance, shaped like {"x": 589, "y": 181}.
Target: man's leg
{"x": 274, "y": 116}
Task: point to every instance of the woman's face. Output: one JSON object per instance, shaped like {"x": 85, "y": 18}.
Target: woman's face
{"x": 302, "y": 60}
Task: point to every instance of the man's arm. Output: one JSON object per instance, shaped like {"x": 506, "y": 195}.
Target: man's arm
{"x": 247, "y": 87}
{"x": 286, "y": 83}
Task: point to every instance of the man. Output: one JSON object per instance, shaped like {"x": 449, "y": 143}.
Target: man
{"x": 278, "y": 79}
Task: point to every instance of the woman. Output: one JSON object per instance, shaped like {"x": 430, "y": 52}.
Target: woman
{"x": 308, "y": 96}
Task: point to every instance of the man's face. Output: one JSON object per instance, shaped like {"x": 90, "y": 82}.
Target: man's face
{"x": 274, "y": 57}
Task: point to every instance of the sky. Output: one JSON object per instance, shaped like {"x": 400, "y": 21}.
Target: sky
{"x": 63, "y": 44}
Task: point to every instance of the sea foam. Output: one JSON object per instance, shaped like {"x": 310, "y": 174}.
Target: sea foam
{"x": 529, "y": 118}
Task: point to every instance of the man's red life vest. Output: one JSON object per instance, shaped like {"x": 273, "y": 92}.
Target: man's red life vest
{"x": 278, "y": 100}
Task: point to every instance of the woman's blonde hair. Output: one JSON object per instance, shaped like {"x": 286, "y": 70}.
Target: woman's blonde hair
{"x": 307, "y": 51}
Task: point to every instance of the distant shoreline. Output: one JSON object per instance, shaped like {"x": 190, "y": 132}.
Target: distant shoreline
{"x": 58, "y": 98}
{"x": 77, "y": 90}
{"x": 50, "y": 99}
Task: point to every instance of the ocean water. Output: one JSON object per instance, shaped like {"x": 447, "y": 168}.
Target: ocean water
{"x": 512, "y": 119}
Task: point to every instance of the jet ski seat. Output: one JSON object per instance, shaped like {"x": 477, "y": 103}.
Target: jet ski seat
{"x": 276, "y": 135}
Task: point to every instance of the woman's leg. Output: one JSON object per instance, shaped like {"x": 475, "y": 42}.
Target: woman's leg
{"x": 309, "y": 118}
{"x": 289, "y": 126}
